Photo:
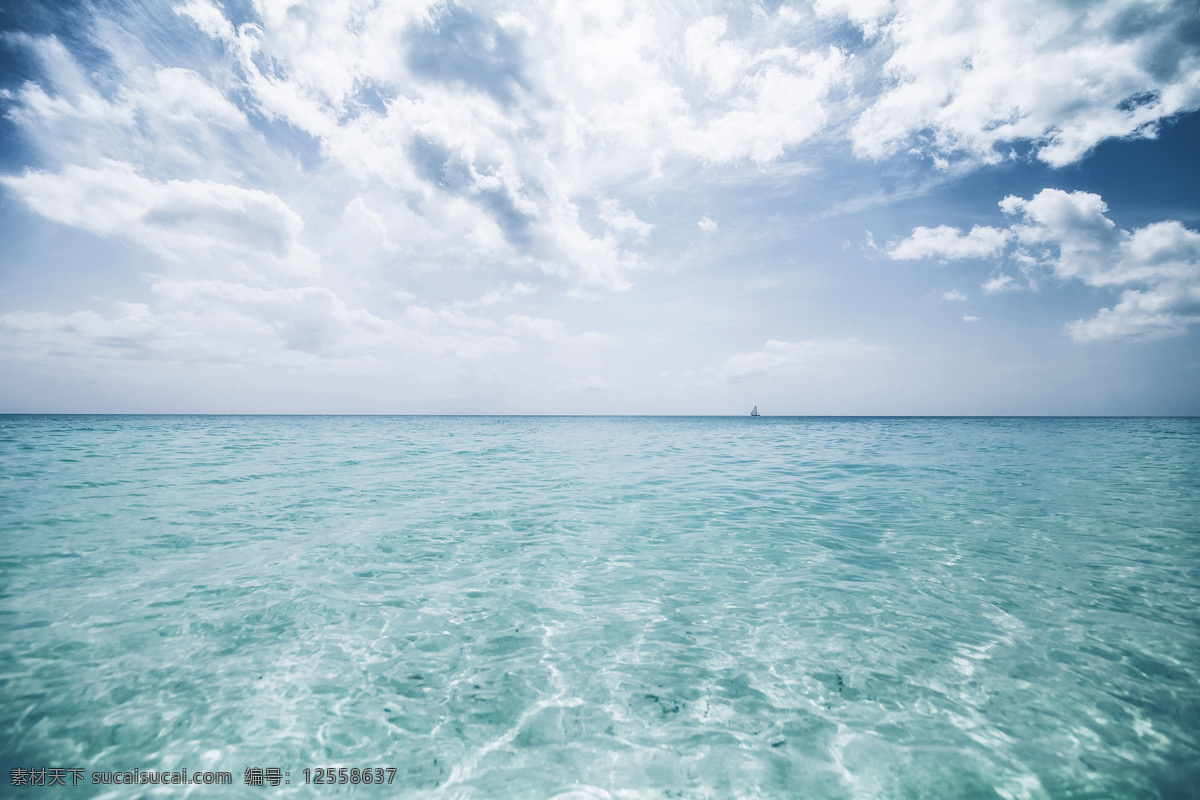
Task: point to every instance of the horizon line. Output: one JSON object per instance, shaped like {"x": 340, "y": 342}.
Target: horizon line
{"x": 581, "y": 415}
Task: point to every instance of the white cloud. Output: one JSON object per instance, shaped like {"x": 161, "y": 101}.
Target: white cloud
{"x": 190, "y": 222}
{"x": 43, "y": 336}
{"x": 159, "y": 118}
{"x": 182, "y": 96}
{"x": 488, "y": 146}
{"x": 777, "y": 356}
{"x": 966, "y": 79}
{"x": 507, "y": 294}
{"x": 540, "y": 108}
{"x": 954, "y": 295}
{"x": 316, "y": 175}
{"x": 999, "y": 284}
{"x": 504, "y": 293}
{"x": 1166, "y": 310}
{"x": 208, "y": 18}
{"x": 948, "y": 242}
{"x": 549, "y": 330}
{"x": 622, "y": 220}
{"x": 370, "y": 221}
{"x": 222, "y": 321}
{"x": 196, "y": 321}
{"x": 1069, "y": 235}
{"x": 446, "y": 134}
{"x": 1160, "y": 263}
{"x": 783, "y": 103}
{"x": 969, "y": 318}
{"x": 710, "y": 55}
{"x": 1071, "y": 232}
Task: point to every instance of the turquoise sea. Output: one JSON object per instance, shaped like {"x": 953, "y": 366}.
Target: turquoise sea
{"x": 574, "y": 607}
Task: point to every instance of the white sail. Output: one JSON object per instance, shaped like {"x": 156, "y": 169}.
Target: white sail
{"x": 754, "y": 413}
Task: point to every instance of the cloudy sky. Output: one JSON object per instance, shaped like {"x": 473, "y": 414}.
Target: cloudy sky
{"x": 600, "y": 206}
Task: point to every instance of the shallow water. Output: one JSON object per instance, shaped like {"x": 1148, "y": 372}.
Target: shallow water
{"x": 531, "y": 607}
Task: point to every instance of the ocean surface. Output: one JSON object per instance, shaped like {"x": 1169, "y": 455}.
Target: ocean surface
{"x": 575, "y": 607}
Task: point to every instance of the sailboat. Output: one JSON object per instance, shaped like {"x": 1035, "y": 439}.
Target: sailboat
{"x": 754, "y": 412}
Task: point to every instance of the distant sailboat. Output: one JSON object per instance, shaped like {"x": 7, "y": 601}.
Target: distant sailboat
{"x": 754, "y": 413}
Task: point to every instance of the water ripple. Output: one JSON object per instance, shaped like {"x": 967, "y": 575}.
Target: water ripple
{"x": 587, "y": 608}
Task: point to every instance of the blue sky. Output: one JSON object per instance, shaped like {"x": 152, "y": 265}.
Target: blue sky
{"x": 828, "y": 207}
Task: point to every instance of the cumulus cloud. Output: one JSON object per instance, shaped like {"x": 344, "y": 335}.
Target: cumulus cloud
{"x": 368, "y": 220}
{"x": 462, "y": 114}
{"x": 948, "y": 242}
{"x": 1000, "y": 283}
{"x": 1069, "y": 236}
{"x": 507, "y": 294}
{"x": 1153, "y": 313}
{"x": 492, "y": 122}
{"x": 954, "y": 295}
{"x": 622, "y": 220}
{"x": 966, "y": 79}
{"x": 188, "y": 222}
{"x": 781, "y": 102}
{"x": 1157, "y": 267}
{"x": 328, "y": 156}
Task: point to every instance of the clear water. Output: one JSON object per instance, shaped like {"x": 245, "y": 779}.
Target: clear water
{"x": 605, "y": 607}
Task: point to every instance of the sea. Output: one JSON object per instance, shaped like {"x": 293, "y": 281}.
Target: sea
{"x": 584, "y": 608}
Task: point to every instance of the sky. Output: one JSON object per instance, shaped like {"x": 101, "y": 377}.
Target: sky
{"x": 835, "y": 207}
